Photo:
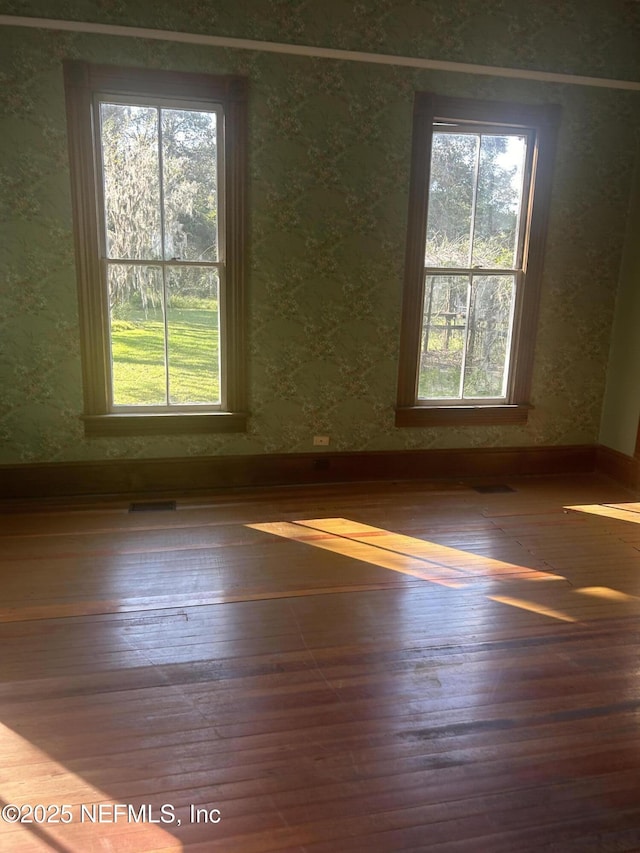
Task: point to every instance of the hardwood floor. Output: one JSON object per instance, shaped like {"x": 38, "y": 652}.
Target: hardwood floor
{"x": 352, "y": 668}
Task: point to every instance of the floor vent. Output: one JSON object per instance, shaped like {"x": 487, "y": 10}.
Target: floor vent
{"x": 152, "y": 506}
{"x": 492, "y": 489}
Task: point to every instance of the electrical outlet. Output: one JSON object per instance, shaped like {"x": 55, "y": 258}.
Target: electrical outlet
{"x": 320, "y": 440}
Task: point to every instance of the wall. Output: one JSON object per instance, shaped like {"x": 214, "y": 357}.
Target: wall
{"x": 330, "y": 145}
{"x": 621, "y": 408}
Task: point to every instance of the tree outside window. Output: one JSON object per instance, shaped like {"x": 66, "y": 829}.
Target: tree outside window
{"x": 480, "y": 186}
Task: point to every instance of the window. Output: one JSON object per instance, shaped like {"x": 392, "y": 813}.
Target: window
{"x": 158, "y": 170}
{"x": 480, "y": 187}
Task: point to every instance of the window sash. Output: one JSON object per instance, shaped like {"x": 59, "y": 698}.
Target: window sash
{"x": 497, "y": 130}
{"x": 470, "y": 331}
{"x": 475, "y": 272}
{"x": 164, "y": 268}
{"x": 163, "y": 264}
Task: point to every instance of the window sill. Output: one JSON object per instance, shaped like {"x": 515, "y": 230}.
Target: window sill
{"x": 163, "y": 424}
{"x": 426, "y": 416}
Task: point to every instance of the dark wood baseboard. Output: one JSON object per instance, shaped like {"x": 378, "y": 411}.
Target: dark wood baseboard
{"x": 190, "y": 475}
{"x": 620, "y": 467}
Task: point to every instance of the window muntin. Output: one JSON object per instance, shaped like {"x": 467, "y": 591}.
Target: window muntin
{"x": 478, "y": 205}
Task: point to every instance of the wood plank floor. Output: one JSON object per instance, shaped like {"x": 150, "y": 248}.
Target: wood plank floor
{"x": 381, "y": 667}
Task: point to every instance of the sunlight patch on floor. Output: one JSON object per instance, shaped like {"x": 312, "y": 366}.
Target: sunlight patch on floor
{"x": 51, "y": 784}
{"x": 617, "y": 511}
{"x": 439, "y": 564}
{"x": 607, "y": 592}
{"x": 419, "y": 558}
{"x": 532, "y": 607}
{"x": 439, "y": 555}
{"x": 366, "y": 553}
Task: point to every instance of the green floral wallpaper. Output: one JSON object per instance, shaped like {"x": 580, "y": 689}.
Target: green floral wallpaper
{"x": 329, "y": 155}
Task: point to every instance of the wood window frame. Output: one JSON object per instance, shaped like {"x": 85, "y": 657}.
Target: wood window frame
{"x": 544, "y": 120}
{"x": 82, "y": 80}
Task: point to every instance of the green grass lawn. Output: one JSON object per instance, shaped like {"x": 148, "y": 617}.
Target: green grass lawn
{"x": 137, "y": 345}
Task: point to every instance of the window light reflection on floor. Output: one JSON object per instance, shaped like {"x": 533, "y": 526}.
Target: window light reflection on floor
{"x": 57, "y": 784}
{"x": 420, "y": 558}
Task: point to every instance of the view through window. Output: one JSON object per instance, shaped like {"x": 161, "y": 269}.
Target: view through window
{"x": 478, "y": 206}
{"x": 161, "y": 172}
{"x": 473, "y": 262}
